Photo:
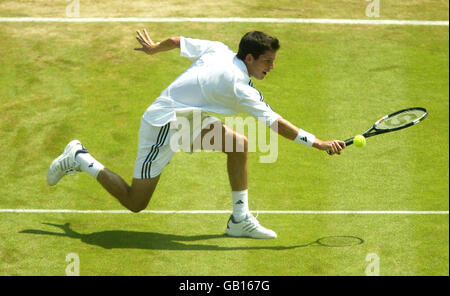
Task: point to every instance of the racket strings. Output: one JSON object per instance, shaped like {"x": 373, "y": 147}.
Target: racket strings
{"x": 401, "y": 119}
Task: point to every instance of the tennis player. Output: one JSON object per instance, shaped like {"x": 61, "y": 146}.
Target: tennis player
{"x": 218, "y": 81}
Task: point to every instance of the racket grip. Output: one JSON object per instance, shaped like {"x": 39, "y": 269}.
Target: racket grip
{"x": 347, "y": 142}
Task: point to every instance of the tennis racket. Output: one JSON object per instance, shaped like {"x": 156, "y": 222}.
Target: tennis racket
{"x": 394, "y": 122}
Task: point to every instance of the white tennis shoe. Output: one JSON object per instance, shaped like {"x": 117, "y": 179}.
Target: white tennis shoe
{"x": 65, "y": 164}
{"x": 249, "y": 227}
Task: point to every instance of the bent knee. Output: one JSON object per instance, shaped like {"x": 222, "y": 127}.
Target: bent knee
{"x": 136, "y": 209}
{"x": 233, "y": 141}
{"x": 138, "y": 203}
{"x": 140, "y": 194}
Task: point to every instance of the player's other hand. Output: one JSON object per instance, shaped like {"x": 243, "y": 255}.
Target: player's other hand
{"x": 332, "y": 146}
{"x": 148, "y": 46}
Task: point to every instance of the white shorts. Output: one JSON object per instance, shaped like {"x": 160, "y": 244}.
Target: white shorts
{"x": 158, "y": 144}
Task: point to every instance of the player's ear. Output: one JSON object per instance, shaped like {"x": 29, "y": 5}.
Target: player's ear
{"x": 249, "y": 58}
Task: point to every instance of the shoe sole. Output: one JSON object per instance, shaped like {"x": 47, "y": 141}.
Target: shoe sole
{"x": 230, "y": 233}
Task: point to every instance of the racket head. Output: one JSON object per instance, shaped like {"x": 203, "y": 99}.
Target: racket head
{"x": 400, "y": 119}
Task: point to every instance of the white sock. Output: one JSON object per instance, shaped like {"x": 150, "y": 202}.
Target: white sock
{"x": 240, "y": 204}
{"x": 88, "y": 164}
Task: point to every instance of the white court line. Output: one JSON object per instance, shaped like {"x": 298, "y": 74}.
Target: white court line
{"x": 223, "y": 20}
{"x": 225, "y": 212}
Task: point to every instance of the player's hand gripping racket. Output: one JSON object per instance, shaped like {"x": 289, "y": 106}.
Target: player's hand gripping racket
{"x": 394, "y": 122}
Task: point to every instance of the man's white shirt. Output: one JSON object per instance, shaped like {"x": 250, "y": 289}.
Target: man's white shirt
{"x": 217, "y": 81}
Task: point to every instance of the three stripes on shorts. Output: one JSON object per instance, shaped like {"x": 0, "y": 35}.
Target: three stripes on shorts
{"x": 154, "y": 150}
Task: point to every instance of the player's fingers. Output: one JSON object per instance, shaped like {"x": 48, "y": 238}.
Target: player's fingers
{"x": 141, "y": 38}
{"x": 331, "y": 150}
{"x": 139, "y": 33}
{"x": 336, "y": 147}
{"x": 144, "y": 35}
{"x": 149, "y": 40}
{"x": 340, "y": 147}
{"x": 142, "y": 42}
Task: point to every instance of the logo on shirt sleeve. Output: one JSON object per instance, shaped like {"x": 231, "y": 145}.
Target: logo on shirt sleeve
{"x": 260, "y": 95}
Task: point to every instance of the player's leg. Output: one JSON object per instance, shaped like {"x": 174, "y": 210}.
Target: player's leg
{"x": 237, "y": 158}
{"x": 154, "y": 153}
{"x": 241, "y": 222}
{"x": 234, "y": 145}
{"x": 135, "y": 197}
{"x": 76, "y": 158}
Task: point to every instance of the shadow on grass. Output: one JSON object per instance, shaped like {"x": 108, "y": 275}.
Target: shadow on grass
{"x": 121, "y": 239}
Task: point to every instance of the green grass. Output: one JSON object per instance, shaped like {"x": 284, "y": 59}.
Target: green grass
{"x": 403, "y": 9}
{"x": 64, "y": 81}
{"x": 158, "y": 245}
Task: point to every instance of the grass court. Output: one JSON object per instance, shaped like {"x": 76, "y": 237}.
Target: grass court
{"x": 64, "y": 81}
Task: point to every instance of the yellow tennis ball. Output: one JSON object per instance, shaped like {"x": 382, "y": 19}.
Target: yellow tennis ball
{"x": 359, "y": 141}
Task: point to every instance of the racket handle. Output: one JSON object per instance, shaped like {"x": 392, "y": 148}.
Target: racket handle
{"x": 347, "y": 143}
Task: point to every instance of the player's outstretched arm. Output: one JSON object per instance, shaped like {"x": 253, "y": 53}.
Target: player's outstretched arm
{"x": 291, "y": 132}
{"x": 149, "y": 47}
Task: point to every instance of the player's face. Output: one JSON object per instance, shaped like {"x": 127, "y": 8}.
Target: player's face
{"x": 259, "y": 68}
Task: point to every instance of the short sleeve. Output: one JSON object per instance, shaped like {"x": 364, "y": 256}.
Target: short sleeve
{"x": 252, "y": 102}
{"x": 195, "y": 48}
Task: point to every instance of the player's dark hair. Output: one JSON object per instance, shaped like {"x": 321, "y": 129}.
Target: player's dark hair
{"x": 256, "y": 43}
